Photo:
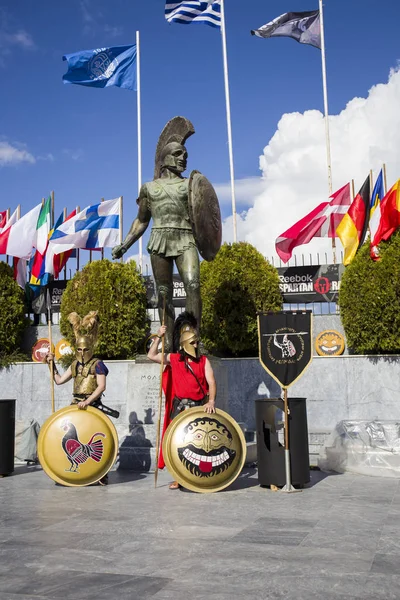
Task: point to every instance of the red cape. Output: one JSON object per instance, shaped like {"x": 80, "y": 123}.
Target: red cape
{"x": 169, "y": 396}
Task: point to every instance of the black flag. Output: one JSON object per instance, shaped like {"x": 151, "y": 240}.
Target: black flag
{"x": 304, "y": 27}
{"x": 285, "y": 342}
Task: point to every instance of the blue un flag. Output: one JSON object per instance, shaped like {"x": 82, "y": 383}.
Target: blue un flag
{"x": 103, "y": 67}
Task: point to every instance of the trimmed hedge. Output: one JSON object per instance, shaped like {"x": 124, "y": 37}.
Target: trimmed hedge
{"x": 117, "y": 292}
{"x": 369, "y": 300}
{"x": 12, "y": 317}
{"x": 236, "y": 285}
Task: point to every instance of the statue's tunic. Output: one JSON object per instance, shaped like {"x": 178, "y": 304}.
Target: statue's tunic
{"x": 171, "y": 233}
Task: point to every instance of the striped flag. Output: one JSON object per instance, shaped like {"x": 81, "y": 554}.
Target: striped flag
{"x": 19, "y": 236}
{"x": 320, "y": 222}
{"x": 43, "y": 227}
{"x": 194, "y": 11}
{"x": 389, "y": 219}
{"x": 96, "y": 226}
{"x": 354, "y": 225}
{"x": 3, "y": 219}
{"x": 375, "y": 206}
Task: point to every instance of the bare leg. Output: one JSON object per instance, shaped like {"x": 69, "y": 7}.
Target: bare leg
{"x": 162, "y": 271}
{"x": 188, "y": 265}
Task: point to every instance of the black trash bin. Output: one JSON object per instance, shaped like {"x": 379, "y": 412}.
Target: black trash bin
{"x": 7, "y": 436}
{"x": 270, "y": 419}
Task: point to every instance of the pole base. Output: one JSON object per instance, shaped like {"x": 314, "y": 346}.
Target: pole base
{"x": 289, "y": 489}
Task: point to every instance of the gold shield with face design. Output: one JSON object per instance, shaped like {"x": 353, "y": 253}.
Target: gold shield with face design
{"x": 204, "y": 452}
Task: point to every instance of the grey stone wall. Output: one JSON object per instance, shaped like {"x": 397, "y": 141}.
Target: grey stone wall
{"x": 339, "y": 388}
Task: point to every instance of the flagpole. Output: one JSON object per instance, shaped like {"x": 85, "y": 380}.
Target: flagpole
{"x": 228, "y": 118}
{"x": 52, "y": 209}
{"x": 7, "y": 219}
{"x": 384, "y": 178}
{"x": 325, "y": 91}
{"x": 102, "y": 250}
{"x": 65, "y": 266}
{"x": 139, "y": 137}
{"x": 326, "y": 114}
{"x": 78, "y": 210}
{"x": 120, "y": 223}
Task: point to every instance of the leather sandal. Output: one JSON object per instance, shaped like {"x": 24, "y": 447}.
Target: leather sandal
{"x": 174, "y": 485}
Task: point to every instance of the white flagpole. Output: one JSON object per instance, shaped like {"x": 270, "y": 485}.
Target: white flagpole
{"x": 326, "y": 113}
{"x": 139, "y": 137}
{"x": 325, "y": 89}
{"x": 228, "y": 118}
{"x": 121, "y": 225}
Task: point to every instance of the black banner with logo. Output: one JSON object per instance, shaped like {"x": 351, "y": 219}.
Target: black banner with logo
{"x": 178, "y": 294}
{"x": 37, "y": 302}
{"x": 285, "y": 344}
{"x": 310, "y": 283}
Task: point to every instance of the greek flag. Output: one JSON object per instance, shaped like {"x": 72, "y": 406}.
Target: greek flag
{"x": 103, "y": 67}
{"x": 96, "y": 226}
{"x": 194, "y": 11}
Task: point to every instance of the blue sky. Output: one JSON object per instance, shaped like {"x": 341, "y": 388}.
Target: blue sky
{"x": 82, "y": 142}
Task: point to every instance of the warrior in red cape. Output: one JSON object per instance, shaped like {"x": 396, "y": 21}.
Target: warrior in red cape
{"x": 188, "y": 379}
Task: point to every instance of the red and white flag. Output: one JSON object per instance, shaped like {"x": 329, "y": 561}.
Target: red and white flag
{"x": 19, "y": 236}
{"x": 5, "y": 228}
{"x": 320, "y": 222}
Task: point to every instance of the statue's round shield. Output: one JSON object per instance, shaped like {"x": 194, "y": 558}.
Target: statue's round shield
{"x": 205, "y": 215}
{"x": 204, "y": 452}
{"x": 77, "y": 447}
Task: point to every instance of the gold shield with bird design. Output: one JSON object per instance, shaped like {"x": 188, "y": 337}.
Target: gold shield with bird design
{"x": 77, "y": 447}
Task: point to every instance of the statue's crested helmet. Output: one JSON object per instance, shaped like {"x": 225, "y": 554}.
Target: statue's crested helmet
{"x": 174, "y": 155}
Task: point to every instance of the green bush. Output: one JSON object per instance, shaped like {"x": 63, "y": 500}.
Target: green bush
{"x": 12, "y": 317}
{"x": 369, "y": 300}
{"x": 117, "y": 292}
{"x": 236, "y": 285}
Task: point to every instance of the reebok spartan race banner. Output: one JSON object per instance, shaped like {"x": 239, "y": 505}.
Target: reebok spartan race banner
{"x": 310, "y": 283}
{"x": 284, "y": 341}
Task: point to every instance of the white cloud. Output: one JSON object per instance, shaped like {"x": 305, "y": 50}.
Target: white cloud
{"x": 113, "y": 31}
{"x": 48, "y": 157}
{"x": 20, "y": 38}
{"x": 245, "y": 191}
{"x": 146, "y": 266}
{"x": 364, "y": 135}
{"x": 11, "y": 155}
{"x": 76, "y": 154}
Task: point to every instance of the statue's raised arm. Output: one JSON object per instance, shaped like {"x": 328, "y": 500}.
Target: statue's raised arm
{"x": 138, "y": 226}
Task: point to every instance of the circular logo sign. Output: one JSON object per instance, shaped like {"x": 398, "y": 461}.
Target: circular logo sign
{"x": 63, "y": 348}
{"x": 330, "y": 343}
{"x": 286, "y": 346}
{"x": 41, "y": 349}
{"x": 102, "y": 65}
{"x": 322, "y": 285}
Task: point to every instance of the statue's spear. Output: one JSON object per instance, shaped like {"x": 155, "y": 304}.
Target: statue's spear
{"x": 160, "y": 399}
{"x": 48, "y": 302}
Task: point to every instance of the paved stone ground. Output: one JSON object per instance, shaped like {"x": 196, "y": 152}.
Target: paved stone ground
{"x": 337, "y": 539}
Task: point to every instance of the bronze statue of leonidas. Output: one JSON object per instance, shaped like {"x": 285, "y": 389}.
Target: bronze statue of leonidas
{"x": 186, "y": 220}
